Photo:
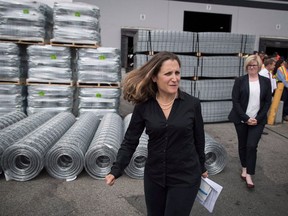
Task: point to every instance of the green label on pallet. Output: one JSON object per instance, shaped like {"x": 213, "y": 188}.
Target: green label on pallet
{"x": 41, "y": 93}
{"x": 98, "y": 95}
{"x": 25, "y": 11}
{"x": 102, "y": 57}
{"x": 77, "y": 14}
{"x": 53, "y": 56}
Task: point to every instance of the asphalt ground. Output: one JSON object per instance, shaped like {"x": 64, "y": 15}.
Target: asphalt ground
{"x": 86, "y": 196}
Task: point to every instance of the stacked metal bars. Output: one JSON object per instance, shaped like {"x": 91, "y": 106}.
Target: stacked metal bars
{"x": 99, "y": 65}
{"x": 164, "y": 40}
{"x": 188, "y": 63}
{"x": 104, "y": 147}
{"x": 76, "y": 23}
{"x": 220, "y": 66}
{"x": 215, "y": 155}
{"x": 215, "y": 111}
{"x": 135, "y": 168}
{"x": 99, "y": 100}
{"x": 213, "y": 89}
{"x": 65, "y": 160}
{"x": 24, "y": 160}
{"x": 224, "y": 43}
{"x": 50, "y": 98}
{"x": 20, "y": 129}
{"x": 49, "y": 63}
{"x": 11, "y": 118}
{"x": 30, "y": 21}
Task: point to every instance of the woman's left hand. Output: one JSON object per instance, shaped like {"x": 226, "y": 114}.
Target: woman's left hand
{"x": 205, "y": 174}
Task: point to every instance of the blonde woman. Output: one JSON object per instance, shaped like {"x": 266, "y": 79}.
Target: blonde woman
{"x": 251, "y": 97}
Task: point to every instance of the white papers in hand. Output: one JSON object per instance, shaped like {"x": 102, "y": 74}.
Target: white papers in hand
{"x": 208, "y": 193}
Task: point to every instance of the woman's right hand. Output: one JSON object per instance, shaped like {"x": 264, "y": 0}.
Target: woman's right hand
{"x": 110, "y": 179}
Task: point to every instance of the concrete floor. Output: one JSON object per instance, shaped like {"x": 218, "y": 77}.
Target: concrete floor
{"x": 47, "y": 196}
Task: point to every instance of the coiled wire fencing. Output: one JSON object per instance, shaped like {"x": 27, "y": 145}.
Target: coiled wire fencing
{"x": 65, "y": 160}
{"x": 215, "y": 155}
{"x": 24, "y": 159}
{"x": 103, "y": 149}
{"x": 11, "y": 118}
{"x": 15, "y": 132}
{"x": 135, "y": 168}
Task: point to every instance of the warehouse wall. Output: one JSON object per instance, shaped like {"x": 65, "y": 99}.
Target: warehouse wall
{"x": 168, "y": 15}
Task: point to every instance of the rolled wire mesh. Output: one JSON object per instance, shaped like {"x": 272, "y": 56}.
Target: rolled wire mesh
{"x": 20, "y": 129}
{"x": 104, "y": 147}
{"x": 135, "y": 168}
{"x": 215, "y": 154}
{"x": 65, "y": 160}
{"x": 11, "y": 118}
{"x": 24, "y": 159}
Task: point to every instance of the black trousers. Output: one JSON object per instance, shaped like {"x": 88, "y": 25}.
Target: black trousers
{"x": 169, "y": 201}
{"x": 248, "y": 138}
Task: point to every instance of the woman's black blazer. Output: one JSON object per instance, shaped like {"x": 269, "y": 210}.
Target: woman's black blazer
{"x": 240, "y": 98}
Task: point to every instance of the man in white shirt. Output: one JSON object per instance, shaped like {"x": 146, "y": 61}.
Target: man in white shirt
{"x": 269, "y": 65}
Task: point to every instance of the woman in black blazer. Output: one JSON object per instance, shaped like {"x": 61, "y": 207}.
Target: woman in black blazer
{"x": 251, "y": 97}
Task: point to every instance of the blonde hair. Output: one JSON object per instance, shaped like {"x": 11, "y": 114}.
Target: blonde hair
{"x": 253, "y": 58}
{"x": 138, "y": 85}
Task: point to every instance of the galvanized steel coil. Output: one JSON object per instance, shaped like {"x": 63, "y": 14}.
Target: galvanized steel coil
{"x": 65, "y": 160}
{"x": 135, "y": 168}
{"x": 15, "y": 132}
{"x": 11, "y": 118}
{"x": 24, "y": 159}
{"x": 104, "y": 147}
{"x": 215, "y": 155}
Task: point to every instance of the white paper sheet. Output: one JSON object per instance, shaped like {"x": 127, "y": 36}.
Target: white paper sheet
{"x": 207, "y": 196}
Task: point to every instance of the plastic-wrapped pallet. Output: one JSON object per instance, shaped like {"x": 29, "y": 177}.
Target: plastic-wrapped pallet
{"x": 10, "y": 61}
{"x": 164, "y": 40}
{"x": 30, "y": 21}
{"x": 99, "y": 65}
{"x": 12, "y": 98}
{"x": 99, "y": 100}
{"x": 50, "y": 98}
{"x": 76, "y": 23}
{"x": 49, "y": 63}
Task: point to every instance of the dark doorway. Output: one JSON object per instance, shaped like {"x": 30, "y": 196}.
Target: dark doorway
{"x": 272, "y": 45}
{"x": 127, "y": 36}
{"x": 206, "y": 22}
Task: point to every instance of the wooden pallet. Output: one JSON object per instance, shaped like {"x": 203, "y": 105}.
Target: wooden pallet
{"x": 10, "y": 39}
{"x": 52, "y": 83}
{"x": 13, "y": 81}
{"x": 98, "y": 84}
{"x": 74, "y": 44}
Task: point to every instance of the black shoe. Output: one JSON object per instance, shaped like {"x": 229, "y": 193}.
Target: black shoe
{"x": 264, "y": 133}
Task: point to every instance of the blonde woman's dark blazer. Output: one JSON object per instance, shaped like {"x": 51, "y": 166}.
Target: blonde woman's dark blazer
{"x": 240, "y": 98}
